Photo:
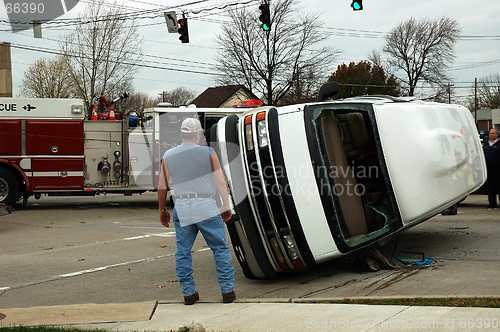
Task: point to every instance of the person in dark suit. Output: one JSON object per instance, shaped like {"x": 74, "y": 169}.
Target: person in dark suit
{"x": 491, "y": 150}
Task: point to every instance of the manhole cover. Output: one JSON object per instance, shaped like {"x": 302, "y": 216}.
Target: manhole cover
{"x": 2, "y": 316}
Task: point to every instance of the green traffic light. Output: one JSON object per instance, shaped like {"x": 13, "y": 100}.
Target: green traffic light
{"x": 265, "y": 16}
{"x": 357, "y": 5}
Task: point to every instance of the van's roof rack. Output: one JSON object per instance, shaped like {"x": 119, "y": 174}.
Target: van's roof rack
{"x": 392, "y": 98}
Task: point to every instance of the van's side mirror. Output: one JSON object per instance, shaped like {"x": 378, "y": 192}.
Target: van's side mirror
{"x": 328, "y": 90}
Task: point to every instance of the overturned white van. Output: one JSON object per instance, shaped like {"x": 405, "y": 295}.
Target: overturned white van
{"x": 312, "y": 182}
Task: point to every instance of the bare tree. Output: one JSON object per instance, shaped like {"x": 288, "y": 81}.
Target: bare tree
{"x": 423, "y": 50}
{"x": 271, "y": 63}
{"x": 304, "y": 88}
{"x": 488, "y": 91}
{"x": 102, "y": 52}
{"x": 180, "y": 96}
{"x": 47, "y": 78}
{"x": 441, "y": 92}
{"x": 137, "y": 102}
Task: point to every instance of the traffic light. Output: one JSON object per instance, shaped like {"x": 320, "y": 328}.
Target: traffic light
{"x": 357, "y": 5}
{"x": 265, "y": 17}
{"x": 183, "y": 30}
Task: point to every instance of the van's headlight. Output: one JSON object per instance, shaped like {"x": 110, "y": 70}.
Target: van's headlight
{"x": 261, "y": 129}
{"x": 262, "y": 133}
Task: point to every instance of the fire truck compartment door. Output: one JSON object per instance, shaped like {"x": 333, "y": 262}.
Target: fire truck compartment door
{"x": 54, "y": 137}
{"x": 54, "y": 174}
{"x": 10, "y": 137}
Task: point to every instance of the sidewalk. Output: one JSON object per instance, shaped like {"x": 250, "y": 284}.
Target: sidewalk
{"x": 254, "y": 316}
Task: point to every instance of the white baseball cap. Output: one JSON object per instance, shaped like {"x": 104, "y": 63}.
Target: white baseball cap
{"x": 191, "y": 125}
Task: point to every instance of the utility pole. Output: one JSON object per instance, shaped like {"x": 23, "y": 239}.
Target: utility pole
{"x": 448, "y": 90}
{"x": 298, "y": 93}
{"x": 163, "y": 96}
{"x": 5, "y": 70}
{"x": 475, "y": 100}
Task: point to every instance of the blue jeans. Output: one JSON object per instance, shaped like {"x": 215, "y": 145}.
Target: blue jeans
{"x": 214, "y": 233}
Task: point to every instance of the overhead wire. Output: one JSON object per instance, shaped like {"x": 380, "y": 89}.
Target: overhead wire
{"x": 138, "y": 14}
{"x": 148, "y": 55}
{"x": 143, "y": 14}
{"x": 150, "y": 13}
{"x": 49, "y": 51}
{"x": 158, "y": 12}
{"x": 195, "y": 64}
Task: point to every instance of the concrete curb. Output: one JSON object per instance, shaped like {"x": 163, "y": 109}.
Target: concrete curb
{"x": 300, "y": 317}
{"x": 144, "y": 311}
{"x": 79, "y": 314}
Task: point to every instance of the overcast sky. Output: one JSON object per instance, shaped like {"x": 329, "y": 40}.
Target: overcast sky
{"x": 355, "y": 33}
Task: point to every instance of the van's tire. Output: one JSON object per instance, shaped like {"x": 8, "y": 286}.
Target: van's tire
{"x": 10, "y": 187}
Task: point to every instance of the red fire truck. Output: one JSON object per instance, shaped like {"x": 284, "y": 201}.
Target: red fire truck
{"x": 48, "y": 146}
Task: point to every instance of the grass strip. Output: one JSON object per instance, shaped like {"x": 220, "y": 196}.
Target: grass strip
{"x": 480, "y": 302}
{"x": 45, "y": 329}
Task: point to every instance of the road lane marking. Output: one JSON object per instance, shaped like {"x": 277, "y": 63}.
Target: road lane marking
{"x": 143, "y": 227}
{"x": 96, "y": 269}
{"x": 102, "y": 268}
{"x": 73, "y": 247}
{"x": 166, "y": 234}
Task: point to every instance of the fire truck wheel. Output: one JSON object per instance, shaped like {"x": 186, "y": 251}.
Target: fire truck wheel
{"x": 10, "y": 188}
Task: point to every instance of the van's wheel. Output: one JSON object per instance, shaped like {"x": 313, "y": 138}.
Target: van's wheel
{"x": 10, "y": 188}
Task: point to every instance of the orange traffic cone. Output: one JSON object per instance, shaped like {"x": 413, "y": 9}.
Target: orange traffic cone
{"x": 112, "y": 114}
{"x": 94, "y": 115}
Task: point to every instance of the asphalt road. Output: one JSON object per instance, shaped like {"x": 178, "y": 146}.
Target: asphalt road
{"x": 112, "y": 249}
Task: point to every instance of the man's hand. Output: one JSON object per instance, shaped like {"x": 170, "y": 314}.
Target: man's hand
{"x": 164, "y": 218}
{"x": 225, "y": 213}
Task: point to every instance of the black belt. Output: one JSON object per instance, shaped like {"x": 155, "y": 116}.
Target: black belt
{"x": 195, "y": 196}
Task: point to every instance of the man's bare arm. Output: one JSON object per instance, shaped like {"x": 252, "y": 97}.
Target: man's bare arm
{"x": 221, "y": 183}
{"x": 162, "y": 195}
